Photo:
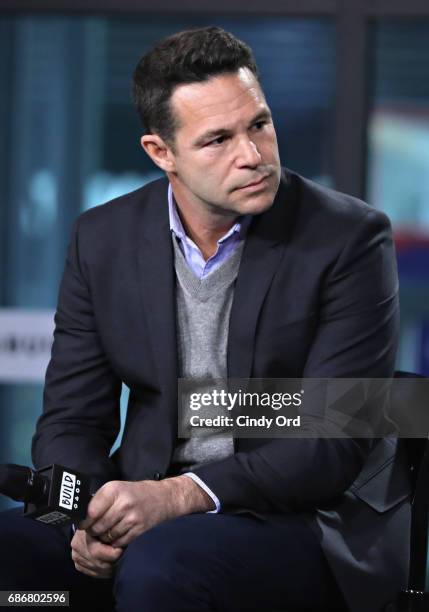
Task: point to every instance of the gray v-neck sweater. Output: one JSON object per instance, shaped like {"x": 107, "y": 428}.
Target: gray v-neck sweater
{"x": 203, "y": 308}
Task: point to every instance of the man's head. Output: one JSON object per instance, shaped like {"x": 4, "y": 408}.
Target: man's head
{"x": 207, "y": 122}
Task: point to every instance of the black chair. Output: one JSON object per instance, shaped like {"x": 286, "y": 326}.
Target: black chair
{"x": 415, "y": 598}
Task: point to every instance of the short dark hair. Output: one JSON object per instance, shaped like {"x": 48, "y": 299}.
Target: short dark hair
{"x": 190, "y": 56}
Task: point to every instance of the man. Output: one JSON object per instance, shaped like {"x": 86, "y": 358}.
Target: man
{"x": 233, "y": 267}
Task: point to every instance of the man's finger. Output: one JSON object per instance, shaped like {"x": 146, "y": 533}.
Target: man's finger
{"x": 79, "y": 560}
{"x": 94, "y": 565}
{"x": 100, "y": 503}
{"x": 92, "y": 573}
{"x": 104, "y": 552}
{"x": 119, "y": 530}
{"x": 123, "y": 541}
{"x": 108, "y": 521}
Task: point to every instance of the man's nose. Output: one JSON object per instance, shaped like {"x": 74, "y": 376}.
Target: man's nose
{"x": 247, "y": 153}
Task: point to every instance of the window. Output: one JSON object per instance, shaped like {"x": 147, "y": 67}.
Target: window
{"x": 398, "y": 168}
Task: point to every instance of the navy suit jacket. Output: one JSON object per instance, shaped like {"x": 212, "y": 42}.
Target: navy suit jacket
{"x": 316, "y": 296}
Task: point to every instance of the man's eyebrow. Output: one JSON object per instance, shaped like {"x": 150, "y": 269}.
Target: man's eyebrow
{"x": 210, "y": 135}
{"x": 217, "y": 133}
{"x": 261, "y": 116}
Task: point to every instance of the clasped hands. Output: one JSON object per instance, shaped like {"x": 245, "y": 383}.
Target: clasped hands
{"x": 120, "y": 511}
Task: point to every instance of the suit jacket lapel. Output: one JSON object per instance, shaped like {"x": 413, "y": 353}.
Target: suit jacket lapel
{"x": 264, "y": 248}
{"x": 157, "y": 282}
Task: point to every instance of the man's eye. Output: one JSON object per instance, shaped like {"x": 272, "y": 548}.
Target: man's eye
{"x": 259, "y": 125}
{"x": 217, "y": 141}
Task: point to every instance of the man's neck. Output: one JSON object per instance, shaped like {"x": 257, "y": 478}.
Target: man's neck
{"x": 202, "y": 226}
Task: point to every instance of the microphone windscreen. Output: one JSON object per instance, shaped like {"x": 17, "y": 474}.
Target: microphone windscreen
{"x": 21, "y": 483}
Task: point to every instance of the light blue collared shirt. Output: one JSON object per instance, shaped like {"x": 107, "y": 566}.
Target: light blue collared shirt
{"x": 193, "y": 256}
{"x": 200, "y": 267}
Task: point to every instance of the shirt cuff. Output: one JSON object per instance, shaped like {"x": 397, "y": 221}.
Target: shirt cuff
{"x": 205, "y": 488}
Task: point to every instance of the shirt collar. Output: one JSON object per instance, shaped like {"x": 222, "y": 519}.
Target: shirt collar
{"x": 177, "y": 228}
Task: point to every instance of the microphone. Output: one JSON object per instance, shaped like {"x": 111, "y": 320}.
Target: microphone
{"x": 54, "y": 495}
{"x": 22, "y": 483}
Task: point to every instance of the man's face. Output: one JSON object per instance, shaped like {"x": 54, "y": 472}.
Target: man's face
{"x": 225, "y": 156}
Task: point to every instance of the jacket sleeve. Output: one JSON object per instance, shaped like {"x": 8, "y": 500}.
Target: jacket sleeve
{"x": 356, "y": 338}
{"x": 81, "y": 417}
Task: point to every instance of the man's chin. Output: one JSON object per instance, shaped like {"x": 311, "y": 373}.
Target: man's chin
{"x": 255, "y": 206}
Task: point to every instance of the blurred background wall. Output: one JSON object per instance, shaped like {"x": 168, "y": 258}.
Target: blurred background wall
{"x": 349, "y": 89}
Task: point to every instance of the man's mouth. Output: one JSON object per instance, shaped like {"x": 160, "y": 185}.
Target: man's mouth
{"x": 255, "y": 183}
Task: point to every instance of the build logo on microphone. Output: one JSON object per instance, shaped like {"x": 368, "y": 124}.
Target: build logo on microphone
{"x": 69, "y": 492}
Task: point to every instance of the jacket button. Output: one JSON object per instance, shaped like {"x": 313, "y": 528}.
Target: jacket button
{"x": 157, "y": 476}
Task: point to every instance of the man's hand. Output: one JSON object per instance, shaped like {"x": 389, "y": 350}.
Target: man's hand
{"x": 120, "y": 511}
{"x": 93, "y": 557}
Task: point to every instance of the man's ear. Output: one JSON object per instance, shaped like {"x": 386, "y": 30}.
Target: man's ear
{"x": 159, "y": 152}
